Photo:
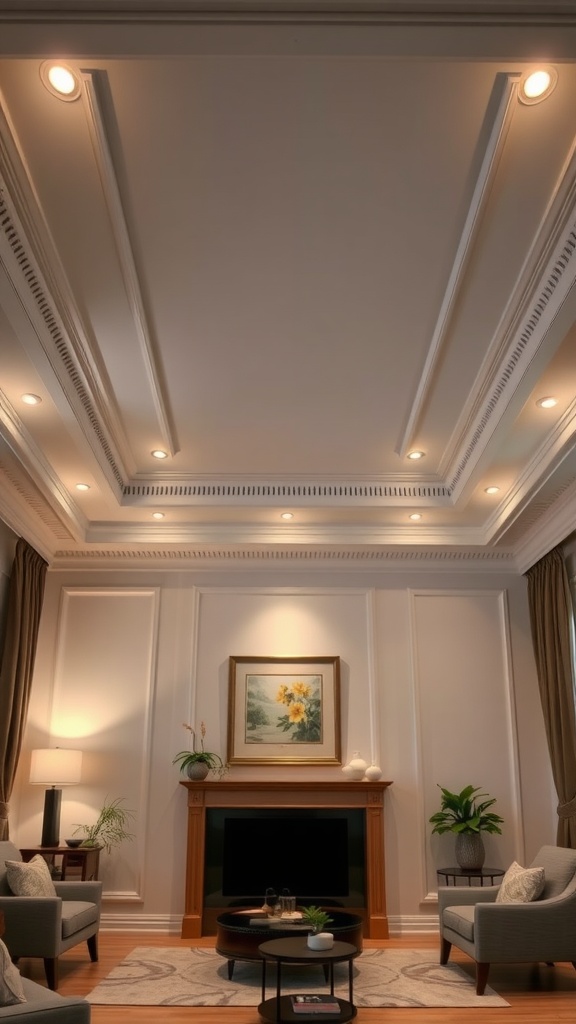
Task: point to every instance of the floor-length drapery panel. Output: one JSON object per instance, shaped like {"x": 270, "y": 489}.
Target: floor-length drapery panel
{"x": 25, "y": 597}
{"x": 550, "y": 615}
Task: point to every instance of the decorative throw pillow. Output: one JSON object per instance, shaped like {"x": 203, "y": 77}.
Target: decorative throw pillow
{"x": 521, "y": 885}
{"x": 11, "y": 990}
{"x": 31, "y": 879}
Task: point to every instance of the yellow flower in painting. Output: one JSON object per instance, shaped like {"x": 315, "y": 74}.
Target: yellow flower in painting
{"x": 301, "y": 690}
{"x": 297, "y": 712}
{"x": 282, "y": 694}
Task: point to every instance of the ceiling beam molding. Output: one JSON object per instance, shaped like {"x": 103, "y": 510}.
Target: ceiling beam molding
{"x": 275, "y": 493}
{"x": 34, "y": 313}
{"x": 94, "y": 84}
{"x": 541, "y": 314}
{"x": 352, "y": 559}
{"x": 504, "y": 95}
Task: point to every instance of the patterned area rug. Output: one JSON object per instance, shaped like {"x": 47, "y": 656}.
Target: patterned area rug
{"x": 156, "y": 976}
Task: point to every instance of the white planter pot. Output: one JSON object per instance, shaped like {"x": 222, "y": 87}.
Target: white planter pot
{"x": 323, "y": 940}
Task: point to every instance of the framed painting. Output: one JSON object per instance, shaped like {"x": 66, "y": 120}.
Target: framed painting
{"x": 284, "y": 711}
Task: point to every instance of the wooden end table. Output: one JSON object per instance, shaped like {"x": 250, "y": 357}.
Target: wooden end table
{"x": 86, "y": 858}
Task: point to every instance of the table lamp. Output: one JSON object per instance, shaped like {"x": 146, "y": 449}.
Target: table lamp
{"x": 54, "y": 767}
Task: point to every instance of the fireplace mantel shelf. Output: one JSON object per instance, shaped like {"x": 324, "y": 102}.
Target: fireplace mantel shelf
{"x": 289, "y": 794}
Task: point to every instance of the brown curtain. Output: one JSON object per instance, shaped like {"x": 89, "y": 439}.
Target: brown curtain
{"x": 25, "y": 596}
{"x": 550, "y": 616}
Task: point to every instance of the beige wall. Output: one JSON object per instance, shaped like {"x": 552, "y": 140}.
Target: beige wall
{"x": 438, "y": 686}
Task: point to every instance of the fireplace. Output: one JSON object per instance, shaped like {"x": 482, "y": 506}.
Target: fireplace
{"x": 314, "y": 819}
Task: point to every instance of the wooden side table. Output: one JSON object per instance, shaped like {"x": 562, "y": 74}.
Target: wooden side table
{"x": 81, "y": 862}
{"x": 485, "y": 876}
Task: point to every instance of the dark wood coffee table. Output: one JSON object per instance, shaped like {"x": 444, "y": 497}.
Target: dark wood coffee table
{"x": 295, "y": 951}
{"x": 240, "y": 933}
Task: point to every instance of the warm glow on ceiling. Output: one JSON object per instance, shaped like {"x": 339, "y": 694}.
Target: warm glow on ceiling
{"x": 29, "y": 399}
{"x": 547, "y": 403}
{"x": 415, "y": 455}
{"x": 159, "y": 454}
{"x": 60, "y": 80}
{"x": 537, "y": 85}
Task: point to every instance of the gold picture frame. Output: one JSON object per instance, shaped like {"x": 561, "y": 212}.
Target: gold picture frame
{"x": 284, "y": 711}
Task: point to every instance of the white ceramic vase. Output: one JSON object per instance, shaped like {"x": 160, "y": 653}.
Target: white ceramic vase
{"x": 322, "y": 940}
{"x": 374, "y": 772}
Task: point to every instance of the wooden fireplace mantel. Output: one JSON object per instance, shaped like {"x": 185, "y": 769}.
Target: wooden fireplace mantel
{"x": 300, "y": 794}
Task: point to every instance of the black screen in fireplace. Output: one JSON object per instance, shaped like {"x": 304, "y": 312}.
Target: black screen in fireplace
{"x": 315, "y": 853}
{"x": 305, "y": 855}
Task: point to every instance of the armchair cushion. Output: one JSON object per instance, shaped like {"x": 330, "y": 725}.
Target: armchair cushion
{"x": 76, "y": 916}
{"x": 31, "y": 879}
{"x": 461, "y": 920}
{"x": 11, "y": 990}
{"x": 521, "y": 885}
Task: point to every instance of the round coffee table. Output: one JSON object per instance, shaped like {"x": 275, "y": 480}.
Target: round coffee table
{"x": 295, "y": 951}
{"x": 240, "y": 933}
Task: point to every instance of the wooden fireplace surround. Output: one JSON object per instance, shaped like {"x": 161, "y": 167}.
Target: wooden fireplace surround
{"x": 226, "y": 793}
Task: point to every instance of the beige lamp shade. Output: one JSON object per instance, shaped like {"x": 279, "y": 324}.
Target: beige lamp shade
{"x": 55, "y": 767}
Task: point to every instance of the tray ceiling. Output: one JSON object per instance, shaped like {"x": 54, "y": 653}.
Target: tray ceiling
{"x": 288, "y": 250}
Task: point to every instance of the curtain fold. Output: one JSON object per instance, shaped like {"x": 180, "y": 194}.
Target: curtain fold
{"x": 25, "y": 597}
{"x": 550, "y": 607}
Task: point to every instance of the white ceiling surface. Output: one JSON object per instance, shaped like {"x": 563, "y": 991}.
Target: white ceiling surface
{"x": 288, "y": 250}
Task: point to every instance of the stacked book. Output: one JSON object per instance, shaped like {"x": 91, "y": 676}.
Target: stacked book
{"x": 315, "y": 1004}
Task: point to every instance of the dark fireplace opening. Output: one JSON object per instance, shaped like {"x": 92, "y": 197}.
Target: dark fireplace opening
{"x": 318, "y": 854}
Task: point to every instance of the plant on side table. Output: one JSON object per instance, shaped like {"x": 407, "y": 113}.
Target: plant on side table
{"x": 467, "y": 816}
{"x": 317, "y": 919}
{"x": 110, "y": 828}
{"x": 197, "y": 763}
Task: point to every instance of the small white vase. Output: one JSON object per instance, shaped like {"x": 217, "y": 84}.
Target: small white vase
{"x": 322, "y": 940}
{"x": 374, "y": 772}
{"x": 356, "y": 766}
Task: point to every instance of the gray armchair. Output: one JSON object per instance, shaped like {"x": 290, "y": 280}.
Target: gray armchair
{"x": 491, "y": 932}
{"x": 46, "y": 926}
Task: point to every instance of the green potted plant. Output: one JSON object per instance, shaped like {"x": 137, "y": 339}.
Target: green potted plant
{"x": 197, "y": 763}
{"x": 110, "y": 828}
{"x": 317, "y": 919}
{"x": 466, "y": 814}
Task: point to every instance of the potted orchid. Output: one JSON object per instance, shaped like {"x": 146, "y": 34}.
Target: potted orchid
{"x": 197, "y": 763}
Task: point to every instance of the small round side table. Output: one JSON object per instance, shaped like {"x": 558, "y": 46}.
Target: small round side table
{"x": 486, "y": 876}
{"x": 296, "y": 951}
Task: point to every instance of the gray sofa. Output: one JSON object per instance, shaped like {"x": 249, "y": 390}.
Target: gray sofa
{"x": 490, "y": 932}
{"x": 43, "y": 1006}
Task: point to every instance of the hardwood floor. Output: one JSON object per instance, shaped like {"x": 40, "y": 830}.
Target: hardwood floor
{"x": 536, "y": 993}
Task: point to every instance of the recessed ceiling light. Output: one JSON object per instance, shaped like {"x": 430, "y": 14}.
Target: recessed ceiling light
{"x": 159, "y": 454}
{"x": 157, "y": 515}
{"x": 415, "y": 455}
{"x": 31, "y": 399}
{"x": 537, "y": 85}
{"x": 287, "y": 515}
{"x": 60, "y": 80}
{"x": 491, "y": 490}
{"x": 82, "y": 487}
{"x": 415, "y": 516}
{"x": 547, "y": 403}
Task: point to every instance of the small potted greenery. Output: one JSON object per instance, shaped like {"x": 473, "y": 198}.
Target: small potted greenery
{"x": 110, "y": 828}
{"x": 317, "y": 919}
{"x": 197, "y": 763}
{"x": 467, "y": 816}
